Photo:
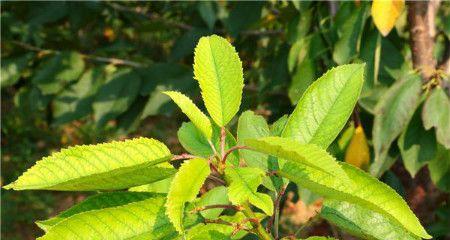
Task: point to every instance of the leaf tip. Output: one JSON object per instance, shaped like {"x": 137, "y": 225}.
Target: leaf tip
{"x": 10, "y": 186}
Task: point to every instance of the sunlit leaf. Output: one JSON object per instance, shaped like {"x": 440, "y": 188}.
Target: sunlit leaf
{"x": 218, "y": 70}
{"x": 326, "y": 106}
{"x": 184, "y": 188}
{"x": 114, "y": 165}
{"x": 198, "y": 118}
{"x": 243, "y": 185}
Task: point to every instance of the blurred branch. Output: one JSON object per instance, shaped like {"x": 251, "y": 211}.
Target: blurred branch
{"x": 155, "y": 17}
{"x": 115, "y": 61}
{"x": 421, "y": 15}
{"x": 152, "y": 16}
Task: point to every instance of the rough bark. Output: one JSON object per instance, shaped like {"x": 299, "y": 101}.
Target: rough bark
{"x": 421, "y": 17}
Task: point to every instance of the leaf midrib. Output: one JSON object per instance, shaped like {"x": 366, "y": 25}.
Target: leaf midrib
{"x": 218, "y": 82}
{"x": 88, "y": 178}
{"x": 328, "y": 112}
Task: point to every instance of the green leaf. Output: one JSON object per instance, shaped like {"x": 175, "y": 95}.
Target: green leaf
{"x": 186, "y": 43}
{"x": 242, "y": 16}
{"x": 198, "y": 118}
{"x": 277, "y": 127}
{"x": 12, "y": 69}
{"x": 174, "y": 76}
{"x": 243, "y": 184}
{"x": 210, "y": 231}
{"x": 326, "y": 105}
{"x": 139, "y": 220}
{"x": 207, "y": 12}
{"x": 184, "y": 188}
{"x": 304, "y": 76}
{"x": 252, "y": 126}
{"x": 161, "y": 186}
{"x": 365, "y": 191}
{"x": 114, "y": 165}
{"x": 217, "y": 195}
{"x": 417, "y": 145}
{"x": 300, "y": 25}
{"x": 370, "y": 54}
{"x": 305, "y": 154}
{"x": 75, "y": 102}
{"x": 193, "y": 140}
{"x": 392, "y": 114}
{"x": 218, "y": 70}
{"x": 96, "y": 202}
{"x": 440, "y": 169}
{"x": 349, "y": 36}
{"x": 436, "y": 113}
{"x": 54, "y": 73}
{"x": 116, "y": 95}
{"x": 363, "y": 222}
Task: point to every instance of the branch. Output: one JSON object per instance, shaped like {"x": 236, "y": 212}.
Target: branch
{"x": 115, "y": 61}
{"x": 223, "y": 135}
{"x": 421, "y": 15}
{"x": 274, "y": 218}
{"x": 214, "y": 178}
{"x": 182, "y": 157}
{"x": 225, "y": 206}
{"x": 155, "y": 17}
{"x": 152, "y": 16}
{"x": 229, "y": 151}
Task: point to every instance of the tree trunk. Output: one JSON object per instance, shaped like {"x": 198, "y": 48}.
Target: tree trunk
{"x": 421, "y": 17}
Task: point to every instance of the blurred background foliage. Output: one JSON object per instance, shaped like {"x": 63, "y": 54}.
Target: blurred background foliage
{"x": 87, "y": 72}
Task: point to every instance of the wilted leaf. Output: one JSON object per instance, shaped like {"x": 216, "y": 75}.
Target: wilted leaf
{"x": 385, "y": 13}
{"x": 357, "y": 153}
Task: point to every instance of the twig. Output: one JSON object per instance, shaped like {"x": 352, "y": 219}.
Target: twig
{"x": 214, "y": 178}
{"x": 183, "y": 26}
{"x": 257, "y": 227}
{"x": 223, "y": 135}
{"x": 115, "y": 61}
{"x": 225, "y": 206}
{"x": 182, "y": 156}
{"x": 212, "y": 166}
{"x": 151, "y": 16}
{"x": 355, "y": 117}
{"x": 218, "y": 221}
{"x": 212, "y": 147}
{"x": 275, "y": 217}
{"x": 229, "y": 151}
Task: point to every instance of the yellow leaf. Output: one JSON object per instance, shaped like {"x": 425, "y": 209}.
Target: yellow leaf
{"x": 357, "y": 152}
{"x": 385, "y": 13}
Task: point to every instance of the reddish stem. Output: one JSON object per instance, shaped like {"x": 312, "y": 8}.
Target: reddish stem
{"x": 182, "y": 156}
{"x": 277, "y": 208}
{"x": 229, "y": 151}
